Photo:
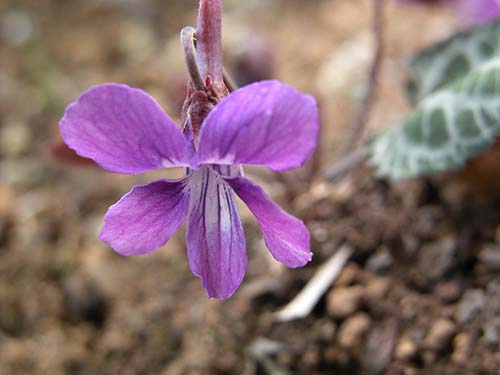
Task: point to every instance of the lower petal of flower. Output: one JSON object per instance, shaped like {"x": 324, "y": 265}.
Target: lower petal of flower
{"x": 215, "y": 239}
{"x": 286, "y": 237}
{"x": 145, "y": 218}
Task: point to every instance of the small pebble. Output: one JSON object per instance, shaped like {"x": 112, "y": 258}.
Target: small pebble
{"x": 490, "y": 257}
{"x": 344, "y": 301}
{"x": 15, "y": 139}
{"x": 311, "y": 356}
{"x": 437, "y": 258}
{"x": 449, "y": 291}
{"x": 327, "y": 329}
{"x": 318, "y": 232}
{"x": 7, "y": 200}
{"x": 461, "y": 348}
{"x": 348, "y": 275}
{"x": 471, "y": 303}
{"x": 353, "y": 329}
{"x": 439, "y": 335}
{"x": 406, "y": 350}
{"x": 377, "y": 288}
{"x": 491, "y": 332}
{"x": 381, "y": 261}
{"x": 379, "y": 346}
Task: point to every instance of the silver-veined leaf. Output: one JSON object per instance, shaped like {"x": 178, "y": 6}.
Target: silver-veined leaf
{"x": 452, "y": 59}
{"x": 448, "y": 127}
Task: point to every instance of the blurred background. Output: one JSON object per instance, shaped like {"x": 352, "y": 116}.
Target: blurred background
{"x": 421, "y": 294}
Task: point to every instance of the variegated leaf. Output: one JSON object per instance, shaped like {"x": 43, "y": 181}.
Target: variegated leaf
{"x": 446, "y": 128}
{"x": 452, "y": 59}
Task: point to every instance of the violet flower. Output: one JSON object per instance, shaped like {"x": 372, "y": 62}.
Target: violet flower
{"x": 478, "y": 11}
{"x": 266, "y": 123}
{"x": 472, "y": 11}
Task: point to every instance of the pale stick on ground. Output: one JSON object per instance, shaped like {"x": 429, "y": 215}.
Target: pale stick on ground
{"x": 308, "y": 297}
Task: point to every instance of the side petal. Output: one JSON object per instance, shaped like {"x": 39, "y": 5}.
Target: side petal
{"x": 209, "y": 39}
{"x": 145, "y": 218}
{"x": 124, "y": 130}
{"x": 215, "y": 239}
{"x": 265, "y": 123}
{"x": 286, "y": 237}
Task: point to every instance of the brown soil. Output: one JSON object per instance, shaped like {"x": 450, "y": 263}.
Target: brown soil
{"x": 420, "y": 295}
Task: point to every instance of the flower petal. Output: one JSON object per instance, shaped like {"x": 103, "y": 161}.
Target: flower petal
{"x": 266, "y": 123}
{"x": 215, "y": 240}
{"x": 124, "y": 130}
{"x": 286, "y": 237}
{"x": 145, "y": 218}
{"x": 209, "y": 39}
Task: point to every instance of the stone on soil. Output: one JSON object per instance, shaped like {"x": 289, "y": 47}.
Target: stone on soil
{"x": 344, "y": 301}
{"x": 439, "y": 335}
{"x": 471, "y": 303}
{"x": 437, "y": 258}
{"x": 353, "y": 330}
{"x": 406, "y": 350}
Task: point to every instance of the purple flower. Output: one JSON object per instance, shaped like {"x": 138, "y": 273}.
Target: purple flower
{"x": 266, "y": 123}
{"x": 422, "y": 1}
{"x": 478, "y": 11}
{"x": 473, "y": 11}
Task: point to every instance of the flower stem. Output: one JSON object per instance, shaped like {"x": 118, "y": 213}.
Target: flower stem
{"x": 188, "y": 37}
{"x": 367, "y": 103}
{"x": 229, "y": 81}
{"x": 345, "y": 164}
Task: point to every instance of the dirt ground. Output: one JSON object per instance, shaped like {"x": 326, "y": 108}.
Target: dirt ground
{"x": 420, "y": 295}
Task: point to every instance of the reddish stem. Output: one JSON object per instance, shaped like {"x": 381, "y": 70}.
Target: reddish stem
{"x": 369, "y": 98}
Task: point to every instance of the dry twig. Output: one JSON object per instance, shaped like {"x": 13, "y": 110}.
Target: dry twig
{"x": 344, "y": 165}
{"x": 308, "y": 297}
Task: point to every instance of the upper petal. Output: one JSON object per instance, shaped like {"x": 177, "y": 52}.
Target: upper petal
{"x": 266, "y": 123}
{"x": 215, "y": 240}
{"x": 209, "y": 39}
{"x": 124, "y": 130}
{"x": 145, "y": 218}
{"x": 286, "y": 237}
